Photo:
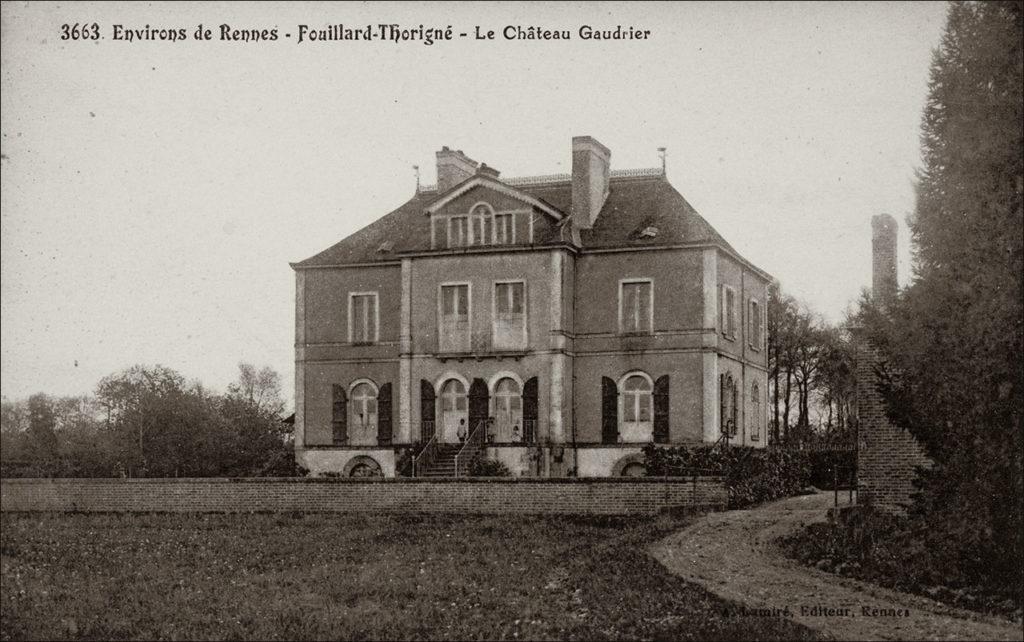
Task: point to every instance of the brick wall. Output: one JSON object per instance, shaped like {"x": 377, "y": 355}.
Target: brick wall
{"x": 481, "y": 495}
{"x": 887, "y": 455}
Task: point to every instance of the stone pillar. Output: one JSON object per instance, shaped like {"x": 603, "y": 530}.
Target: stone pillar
{"x": 556, "y": 431}
{"x": 404, "y": 433}
{"x": 299, "y": 431}
{"x": 709, "y": 379}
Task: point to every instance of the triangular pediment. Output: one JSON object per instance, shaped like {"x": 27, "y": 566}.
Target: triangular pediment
{"x": 480, "y": 186}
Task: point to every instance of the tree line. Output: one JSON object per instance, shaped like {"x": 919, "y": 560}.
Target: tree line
{"x": 811, "y": 378}
{"x": 149, "y": 421}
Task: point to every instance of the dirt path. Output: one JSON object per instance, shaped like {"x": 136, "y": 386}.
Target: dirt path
{"x": 733, "y": 555}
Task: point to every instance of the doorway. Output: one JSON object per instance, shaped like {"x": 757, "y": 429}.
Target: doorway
{"x": 454, "y": 412}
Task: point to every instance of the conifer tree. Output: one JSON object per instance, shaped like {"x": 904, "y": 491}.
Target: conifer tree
{"x": 954, "y": 338}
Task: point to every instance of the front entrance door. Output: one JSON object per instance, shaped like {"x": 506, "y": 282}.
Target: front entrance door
{"x": 508, "y": 412}
{"x": 454, "y": 412}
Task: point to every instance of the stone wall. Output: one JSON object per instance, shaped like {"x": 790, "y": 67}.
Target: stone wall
{"x": 343, "y": 495}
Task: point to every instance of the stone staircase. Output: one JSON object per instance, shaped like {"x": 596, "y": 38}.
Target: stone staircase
{"x": 444, "y": 463}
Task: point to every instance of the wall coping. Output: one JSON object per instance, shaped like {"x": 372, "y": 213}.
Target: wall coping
{"x": 364, "y": 480}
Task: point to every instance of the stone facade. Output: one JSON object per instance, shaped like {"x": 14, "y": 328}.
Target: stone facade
{"x": 574, "y": 317}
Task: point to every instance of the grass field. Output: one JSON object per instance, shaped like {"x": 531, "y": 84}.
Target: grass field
{"x": 352, "y": 577}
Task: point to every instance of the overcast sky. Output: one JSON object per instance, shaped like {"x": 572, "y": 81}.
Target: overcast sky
{"x": 153, "y": 193}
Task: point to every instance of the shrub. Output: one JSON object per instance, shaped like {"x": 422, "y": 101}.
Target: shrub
{"x": 901, "y": 553}
{"x": 483, "y": 467}
{"x": 752, "y": 475}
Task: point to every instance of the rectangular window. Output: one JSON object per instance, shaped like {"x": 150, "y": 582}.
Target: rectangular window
{"x": 362, "y": 317}
{"x": 755, "y": 325}
{"x": 454, "y": 322}
{"x": 636, "y": 307}
{"x": 509, "y": 315}
{"x": 728, "y": 312}
{"x": 458, "y": 231}
{"x": 504, "y": 229}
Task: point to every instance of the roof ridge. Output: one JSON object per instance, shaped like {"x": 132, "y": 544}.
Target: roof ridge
{"x": 554, "y": 179}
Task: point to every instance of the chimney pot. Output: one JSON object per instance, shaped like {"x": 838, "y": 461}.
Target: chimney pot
{"x": 486, "y": 170}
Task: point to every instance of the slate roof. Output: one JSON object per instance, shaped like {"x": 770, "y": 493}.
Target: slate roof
{"x": 633, "y": 204}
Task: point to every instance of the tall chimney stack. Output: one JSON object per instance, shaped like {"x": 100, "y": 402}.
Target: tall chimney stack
{"x": 883, "y": 260}
{"x": 591, "y": 167}
{"x": 453, "y": 167}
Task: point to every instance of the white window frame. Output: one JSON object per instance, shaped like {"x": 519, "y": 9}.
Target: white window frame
{"x": 728, "y": 321}
{"x": 650, "y": 312}
{"x": 621, "y": 386}
{"x": 469, "y": 311}
{"x": 756, "y": 342}
{"x": 376, "y": 315}
{"x": 494, "y": 311}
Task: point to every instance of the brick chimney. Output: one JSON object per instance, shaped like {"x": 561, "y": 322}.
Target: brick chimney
{"x": 453, "y": 167}
{"x": 591, "y": 166}
{"x": 883, "y": 259}
{"x": 485, "y": 170}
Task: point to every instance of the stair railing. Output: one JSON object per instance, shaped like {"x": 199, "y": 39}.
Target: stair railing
{"x": 529, "y": 431}
{"x": 425, "y": 459}
{"x": 471, "y": 449}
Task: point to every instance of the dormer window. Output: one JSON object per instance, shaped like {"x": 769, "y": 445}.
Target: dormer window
{"x": 458, "y": 231}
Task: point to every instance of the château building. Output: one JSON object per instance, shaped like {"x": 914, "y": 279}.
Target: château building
{"x": 557, "y": 324}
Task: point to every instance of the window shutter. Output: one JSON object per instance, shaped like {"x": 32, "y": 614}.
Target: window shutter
{"x": 661, "y": 433}
{"x": 478, "y": 404}
{"x": 339, "y": 415}
{"x": 426, "y": 410}
{"x": 722, "y": 418}
{"x": 734, "y": 310}
{"x": 530, "y": 410}
{"x": 384, "y": 430}
{"x": 609, "y": 411}
{"x": 721, "y": 310}
{"x": 735, "y": 407}
{"x": 750, "y": 321}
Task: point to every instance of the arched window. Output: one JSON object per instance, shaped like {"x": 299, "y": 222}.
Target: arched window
{"x": 363, "y": 414}
{"x": 454, "y": 412}
{"x": 481, "y": 222}
{"x": 636, "y": 408}
{"x": 755, "y": 425}
{"x": 508, "y": 411}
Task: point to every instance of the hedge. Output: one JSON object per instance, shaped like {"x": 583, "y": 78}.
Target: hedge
{"x": 752, "y": 475}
